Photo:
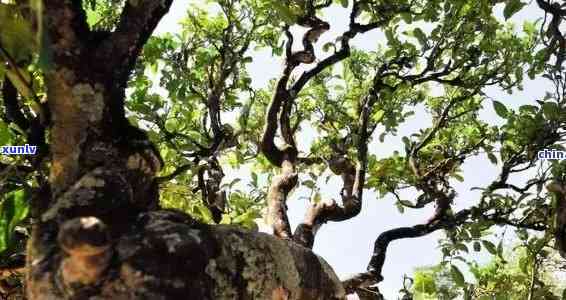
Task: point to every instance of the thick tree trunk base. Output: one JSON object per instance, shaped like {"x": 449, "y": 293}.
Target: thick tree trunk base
{"x": 167, "y": 255}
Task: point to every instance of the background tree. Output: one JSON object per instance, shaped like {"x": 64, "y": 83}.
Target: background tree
{"x": 106, "y": 153}
{"x": 520, "y": 274}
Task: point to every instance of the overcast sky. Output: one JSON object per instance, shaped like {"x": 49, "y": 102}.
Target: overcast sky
{"x": 348, "y": 245}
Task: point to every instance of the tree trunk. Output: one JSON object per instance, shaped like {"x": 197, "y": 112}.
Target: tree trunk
{"x": 98, "y": 231}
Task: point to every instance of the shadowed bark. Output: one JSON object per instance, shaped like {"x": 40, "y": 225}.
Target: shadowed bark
{"x": 99, "y": 232}
{"x": 167, "y": 255}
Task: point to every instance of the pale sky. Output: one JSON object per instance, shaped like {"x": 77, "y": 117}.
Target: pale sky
{"x": 347, "y": 246}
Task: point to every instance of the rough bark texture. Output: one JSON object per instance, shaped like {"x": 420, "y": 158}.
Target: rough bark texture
{"x": 559, "y": 192}
{"x": 98, "y": 232}
{"x": 167, "y": 255}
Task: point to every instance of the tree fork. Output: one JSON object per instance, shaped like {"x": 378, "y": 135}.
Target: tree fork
{"x": 99, "y": 232}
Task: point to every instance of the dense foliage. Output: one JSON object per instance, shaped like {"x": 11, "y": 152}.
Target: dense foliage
{"x": 194, "y": 94}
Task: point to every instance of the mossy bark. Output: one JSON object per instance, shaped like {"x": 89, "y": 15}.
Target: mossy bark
{"x": 98, "y": 230}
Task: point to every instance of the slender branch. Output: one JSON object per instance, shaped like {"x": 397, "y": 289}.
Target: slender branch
{"x": 273, "y": 153}
{"x": 353, "y": 177}
{"x": 34, "y": 128}
{"x": 13, "y": 109}
{"x": 373, "y": 275}
{"x": 178, "y": 171}
{"x": 14, "y": 66}
{"x": 353, "y": 184}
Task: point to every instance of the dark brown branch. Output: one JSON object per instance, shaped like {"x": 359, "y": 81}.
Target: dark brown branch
{"x": 557, "y": 44}
{"x": 374, "y": 275}
{"x": 353, "y": 184}
{"x": 277, "y": 194}
{"x": 67, "y": 25}
{"x": 180, "y": 170}
{"x": 285, "y": 123}
{"x": 353, "y": 177}
{"x": 558, "y": 190}
{"x": 375, "y": 266}
{"x": 369, "y": 293}
{"x": 16, "y": 68}
{"x": 273, "y": 153}
{"x": 34, "y": 127}
{"x": 120, "y": 50}
{"x": 308, "y": 161}
{"x": 215, "y": 199}
{"x": 14, "y": 112}
{"x": 18, "y": 168}
{"x": 284, "y": 157}
{"x": 343, "y": 53}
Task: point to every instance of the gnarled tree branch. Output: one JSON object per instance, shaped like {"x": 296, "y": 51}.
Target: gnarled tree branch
{"x": 123, "y": 46}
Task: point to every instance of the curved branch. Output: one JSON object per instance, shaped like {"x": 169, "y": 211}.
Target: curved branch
{"x": 281, "y": 157}
{"x": 120, "y": 50}
{"x": 373, "y": 274}
{"x": 280, "y": 187}
{"x": 285, "y": 123}
{"x": 353, "y": 185}
{"x": 273, "y": 153}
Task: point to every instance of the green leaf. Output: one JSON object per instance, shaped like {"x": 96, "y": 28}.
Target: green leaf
{"x": 407, "y": 17}
{"x": 492, "y": 158}
{"x": 172, "y": 124}
{"x": 21, "y": 80}
{"x": 205, "y": 213}
{"x": 344, "y": 3}
{"x": 18, "y": 41}
{"x": 326, "y": 47}
{"x": 246, "y": 217}
{"x": 285, "y": 12}
{"x": 500, "y": 109}
{"x": 316, "y": 198}
{"x": 234, "y": 182}
{"x": 529, "y": 27}
{"x": 421, "y": 37}
{"x": 551, "y": 110}
{"x": 382, "y": 137}
{"x": 13, "y": 210}
{"x": 477, "y": 246}
{"x": 400, "y": 207}
{"x": 457, "y": 276}
{"x": 489, "y": 246}
{"x": 378, "y": 116}
{"x": 524, "y": 264}
{"x": 390, "y": 35}
{"x": 406, "y": 141}
{"x": 5, "y": 136}
{"x": 500, "y": 249}
{"x": 512, "y": 7}
{"x": 458, "y": 177}
{"x": 309, "y": 183}
{"x": 461, "y": 247}
{"x": 406, "y": 203}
